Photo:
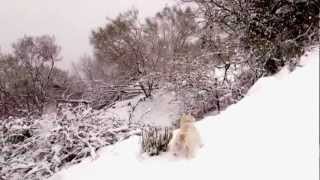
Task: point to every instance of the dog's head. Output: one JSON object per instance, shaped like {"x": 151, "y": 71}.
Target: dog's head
{"x": 186, "y": 118}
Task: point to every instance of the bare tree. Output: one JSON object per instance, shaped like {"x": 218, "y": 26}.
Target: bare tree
{"x": 28, "y": 74}
{"x": 271, "y": 32}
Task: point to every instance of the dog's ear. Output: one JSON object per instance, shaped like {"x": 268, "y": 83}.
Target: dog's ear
{"x": 182, "y": 119}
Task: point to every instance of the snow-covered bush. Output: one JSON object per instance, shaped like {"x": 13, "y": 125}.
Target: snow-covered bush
{"x": 35, "y": 148}
{"x": 155, "y": 140}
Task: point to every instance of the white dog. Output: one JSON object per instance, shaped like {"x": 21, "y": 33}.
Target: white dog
{"x": 187, "y": 139}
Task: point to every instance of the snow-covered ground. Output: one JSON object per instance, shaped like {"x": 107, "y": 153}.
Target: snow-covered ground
{"x": 271, "y": 134}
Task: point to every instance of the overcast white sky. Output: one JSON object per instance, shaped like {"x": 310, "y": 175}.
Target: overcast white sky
{"x": 70, "y": 21}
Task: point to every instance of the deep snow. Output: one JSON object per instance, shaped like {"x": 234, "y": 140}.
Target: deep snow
{"x": 271, "y": 134}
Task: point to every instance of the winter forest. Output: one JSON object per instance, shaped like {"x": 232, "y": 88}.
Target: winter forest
{"x": 197, "y": 57}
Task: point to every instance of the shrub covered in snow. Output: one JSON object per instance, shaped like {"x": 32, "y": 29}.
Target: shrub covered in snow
{"x": 155, "y": 140}
{"x": 35, "y": 148}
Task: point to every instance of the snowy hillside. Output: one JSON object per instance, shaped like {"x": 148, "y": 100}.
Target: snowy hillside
{"x": 271, "y": 134}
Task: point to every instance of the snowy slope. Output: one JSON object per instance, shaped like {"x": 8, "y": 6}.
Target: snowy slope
{"x": 271, "y": 134}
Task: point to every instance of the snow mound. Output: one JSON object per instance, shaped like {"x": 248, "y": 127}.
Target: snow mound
{"x": 271, "y": 134}
{"x": 162, "y": 110}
